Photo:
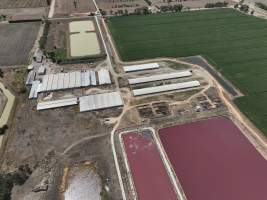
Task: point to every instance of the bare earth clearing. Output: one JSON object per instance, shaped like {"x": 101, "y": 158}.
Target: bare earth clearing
{"x": 22, "y": 3}
{"x": 16, "y": 41}
{"x": 66, "y": 8}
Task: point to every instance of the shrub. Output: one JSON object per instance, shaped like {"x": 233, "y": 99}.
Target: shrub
{"x": 244, "y": 8}
{"x": 3, "y": 129}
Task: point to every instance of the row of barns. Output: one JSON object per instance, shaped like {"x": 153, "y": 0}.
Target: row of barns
{"x": 88, "y": 78}
{"x": 159, "y": 77}
{"x": 69, "y": 80}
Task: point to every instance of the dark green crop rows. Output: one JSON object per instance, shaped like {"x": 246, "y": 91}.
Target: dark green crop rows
{"x": 234, "y": 42}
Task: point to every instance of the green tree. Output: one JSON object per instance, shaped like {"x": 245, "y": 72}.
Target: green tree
{"x": 178, "y": 8}
{"x": 146, "y": 11}
{"x": 1, "y": 73}
{"x": 3, "y": 129}
{"x": 48, "y": 2}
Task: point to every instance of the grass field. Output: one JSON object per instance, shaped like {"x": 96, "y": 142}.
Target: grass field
{"x": 233, "y": 42}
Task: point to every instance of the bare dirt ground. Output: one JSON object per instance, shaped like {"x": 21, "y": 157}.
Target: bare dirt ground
{"x": 113, "y": 6}
{"x": 57, "y": 36}
{"x": 16, "y": 41}
{"x": 66, "y": 8}
{"x": 22, "y": 3}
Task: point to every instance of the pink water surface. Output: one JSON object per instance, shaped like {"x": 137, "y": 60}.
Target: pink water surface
{"x": 149, "y": 174}
{"x": 214, "y": 161}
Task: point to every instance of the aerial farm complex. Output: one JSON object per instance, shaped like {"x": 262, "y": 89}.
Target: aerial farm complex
{"x": 133, "y": 100}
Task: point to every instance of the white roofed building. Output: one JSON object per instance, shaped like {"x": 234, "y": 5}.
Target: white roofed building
{"x": 159, "y": 77}
{"x": 100, "y": 101}
{"x": 133, "y": 68}
{"x": 165, "y": 88}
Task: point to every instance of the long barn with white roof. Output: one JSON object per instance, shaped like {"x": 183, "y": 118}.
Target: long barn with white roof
{"x": 133, "y": 68}
{"x": 165, "y": 88}
{"x": 160, "y": 77}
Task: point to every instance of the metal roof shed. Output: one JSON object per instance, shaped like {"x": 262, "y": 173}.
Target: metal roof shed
{"x": 103, "y": 77}
{"x": 133, "y": 68}
{"x": 159, "y": 77}
{"x": 100, "y": 101}
{"x": 165, "y": 88}
{"x": 34, "y": 89}
{"x": 30, "y": 77}
{"x": 57, "y": 103}
{"x": 93, "y": 77}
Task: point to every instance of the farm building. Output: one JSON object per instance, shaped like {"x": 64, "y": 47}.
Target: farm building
{"x": 57, "y": 103}
{"x": 100, "y": 101}
{"x": 160, "y": 77}
{"x": 165, "y": 88}
{"x": 104, "y": 77}
{"x": 30, "y": 77}
{"x": 34, "y": 89}
{"x": 70, "y": 80}
{"x": 133, "y": 68}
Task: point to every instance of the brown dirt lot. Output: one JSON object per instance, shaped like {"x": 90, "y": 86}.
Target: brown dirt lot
{"x": 112, "y": 6}
{"x": 33, "y": 133}
{"x": 65, "y": 8}
{"x": 57, "y": 36}
{"x": 16, "y": 41}
{"x": 96, "y": 151}
{"x": 22, "y": 3}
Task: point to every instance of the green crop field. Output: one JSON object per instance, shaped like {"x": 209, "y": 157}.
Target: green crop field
{"x": 233, "y": 42}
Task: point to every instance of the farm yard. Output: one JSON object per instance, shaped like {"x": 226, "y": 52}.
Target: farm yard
{"x": 121, "y": 6}
{"x": 16, "y": 41}
{"x": 233, "y": 42}
{"x": 186, "y": 3}
{"x": 22, "y": 4}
